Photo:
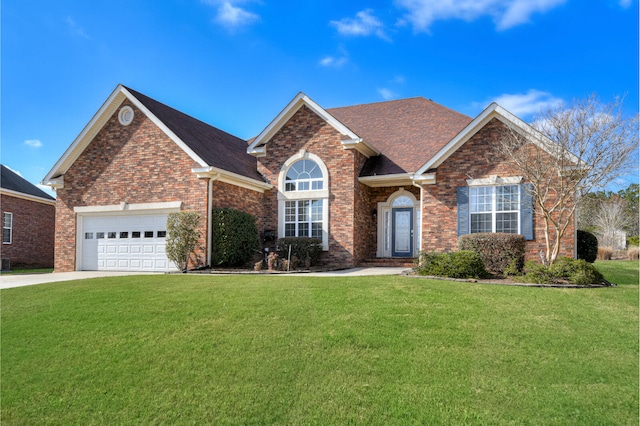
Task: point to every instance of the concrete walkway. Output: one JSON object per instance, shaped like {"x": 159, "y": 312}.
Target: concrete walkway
{"x": 19, "y": 280}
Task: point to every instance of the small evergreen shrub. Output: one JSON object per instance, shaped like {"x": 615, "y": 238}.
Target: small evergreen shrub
{"x": 564, "y": 271}
{"x": 305, "y": 251}
{"x": 587, "y": 246}
{"x": 498, "y": 251}
{"x": 235, "y": 238}
{"x": 459, "y": 264}
{"x": 633, "y": 241}
{"x": 182, "y": 237}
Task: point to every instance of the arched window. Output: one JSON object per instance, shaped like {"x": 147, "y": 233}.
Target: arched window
{"x": 303, "y": 198}
{"x": 304, "y": 175}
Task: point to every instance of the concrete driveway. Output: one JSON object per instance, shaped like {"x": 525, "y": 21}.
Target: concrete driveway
{"x": 19, "y": 280}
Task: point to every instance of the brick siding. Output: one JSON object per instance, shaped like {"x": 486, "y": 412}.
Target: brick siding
{"x": 33, "y": 232}
{"x": 132, "y": 164}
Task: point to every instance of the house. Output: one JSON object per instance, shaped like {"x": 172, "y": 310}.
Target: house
{"x": 382, "y": 180}
{"x": 28, "y": 223}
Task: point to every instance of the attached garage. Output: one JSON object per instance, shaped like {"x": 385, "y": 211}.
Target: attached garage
{"x": 123, "y": 238}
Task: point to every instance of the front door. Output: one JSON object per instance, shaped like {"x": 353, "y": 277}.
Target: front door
{"x": 402, "y": 232}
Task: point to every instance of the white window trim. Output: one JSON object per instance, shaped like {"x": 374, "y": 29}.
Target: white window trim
{"x": 494, "y": 202}
{"x": 10, "y": 228}
{"x": 386, "y": 208}
{"x": 322, "y": 194}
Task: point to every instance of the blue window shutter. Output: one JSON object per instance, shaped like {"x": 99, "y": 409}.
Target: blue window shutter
{"x": 463, "y": 210}
{"x": 526, "y": 211}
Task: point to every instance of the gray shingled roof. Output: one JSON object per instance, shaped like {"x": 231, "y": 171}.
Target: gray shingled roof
{"x": 216, "y": 147}
{"x": 13, "y": 182}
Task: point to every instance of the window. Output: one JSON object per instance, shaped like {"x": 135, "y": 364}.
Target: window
{"x": 162, "y": 234}
{"x": 304, "y": 175}
{"x": 135, "y": 234}
{"x": 148, "y": 234}
{"x": 303, "y": 218}
{"x": 100, "y": 235}
{"x": 494, "y": 209}
{"x": 303, "y": 198}
{"x": 7, "y": 228}
{"x": 88, "y": 235}
{"x": 124, "y": 234}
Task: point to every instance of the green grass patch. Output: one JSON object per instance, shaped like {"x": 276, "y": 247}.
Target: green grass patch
{"x": 28, "y": 271}
{"x": 255, "y": 349}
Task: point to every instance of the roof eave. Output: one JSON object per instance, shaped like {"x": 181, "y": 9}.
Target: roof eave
{"x": 215, "y": 173}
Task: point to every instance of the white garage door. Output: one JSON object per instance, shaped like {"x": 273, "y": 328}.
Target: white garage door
{"x": 134, "y": 242}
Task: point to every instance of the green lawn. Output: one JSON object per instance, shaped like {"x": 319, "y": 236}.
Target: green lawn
{"x": 176, "y": 349}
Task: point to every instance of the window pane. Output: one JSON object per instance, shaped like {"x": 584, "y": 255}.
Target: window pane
{"x": 303, "y": 175}
{"x": 148, "y": 234}
{"x": 124, "y": 234}
{"x": 88, "y": 235}
{"x": 303, "y": 230}
{"x": 316, "y": 210}
{"x": 135, "y": 234}
{"x": 303, "y": 211}
{"x": 316, "y": 230}
{"x": 99, "y": 235}
{"x": 6, "y": 235}
{"x": 8, "y": 218}
{"x": 507, "y": 198}
{"x": 480, "y": 199}
{"x": 111, "y": 234}
{"x": 290, "y": 230}
{"x": 507, "y": 222}
{"x": 162, "y": 234}
{"x": 481, "y": 222}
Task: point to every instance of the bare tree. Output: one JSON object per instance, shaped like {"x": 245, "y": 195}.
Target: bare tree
{"x": 610, "y": 220}
{"x": 568, "y": 152}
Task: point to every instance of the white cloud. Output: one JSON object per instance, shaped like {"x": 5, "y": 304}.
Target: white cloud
{"x": 332, "y": 61}
{"x": 230, "y": 15}
{"x": 76, "y": 29}
{"x": 33, "y": 143}
{"x": 526, "y": 104}
{"x": 506, "y": 13}
{"x": 387, "y": 93}
{"x": 14, "y": 171}
{"x": 364, "y": 24}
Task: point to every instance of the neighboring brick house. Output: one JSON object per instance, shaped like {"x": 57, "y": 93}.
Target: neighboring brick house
{"x": 28, "y": 223}
{"x": 382, "y": 180}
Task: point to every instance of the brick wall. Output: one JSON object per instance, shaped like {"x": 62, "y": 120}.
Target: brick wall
{"x": 132, "y": 164}
{"x": 472, "y": 161}
{"x": 306, "y": 130}
{"x": 33, "y": 232}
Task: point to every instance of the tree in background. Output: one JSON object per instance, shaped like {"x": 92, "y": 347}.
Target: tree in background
{"x": 568, "y": 152}
{"x": 182, "y": 237}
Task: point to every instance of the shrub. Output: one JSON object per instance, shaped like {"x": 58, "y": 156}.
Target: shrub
{"x": 235, "y": 238}
{"x": 605, "y": 253}
{"x": 304, "y": 251}
{"x": 460, "y": 264}
{"x": 587, "y": 246}
{"x": 564, "y": 270}
{"x": 182, "y": 237}
{"x": 498, "y": 251}
{"x": 633, "y": 241}
{"x": 633, "y": 253}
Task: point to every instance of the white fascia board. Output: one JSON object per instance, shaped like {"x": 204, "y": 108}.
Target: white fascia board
{"x": 87, "y": 134}
{"x": 379, "y": 181}
{"x": 492, "y": 111}
{"x": 350, "y": 141}
{"x": 28, "y": 197}
{"x": 231, "y": 178}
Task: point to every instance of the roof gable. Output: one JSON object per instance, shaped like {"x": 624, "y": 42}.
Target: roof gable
{"x": 351, "y": 140}
{"x": 492, "y": 111}
{"x": 405, "y": 131}
{"x": 14, "y": 184}
{"x": 205, "y": 144}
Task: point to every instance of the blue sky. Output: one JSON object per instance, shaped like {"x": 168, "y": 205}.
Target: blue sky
{"x": 236, "y": 63}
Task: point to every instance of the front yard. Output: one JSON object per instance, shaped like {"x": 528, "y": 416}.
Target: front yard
{"x": 255, "y": 349}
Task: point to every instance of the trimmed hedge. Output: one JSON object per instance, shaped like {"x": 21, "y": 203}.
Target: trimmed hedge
{"x": 587, "y": 246}
{"x": 459, "y": 264}
{"x": 305, "y": 251}
{"x": 498, "y": 251}
{"x": 235, "y": 238}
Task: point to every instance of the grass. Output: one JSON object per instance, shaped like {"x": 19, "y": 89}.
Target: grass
{"x": 27, "y": 271}
{"x": 250, "y": 349}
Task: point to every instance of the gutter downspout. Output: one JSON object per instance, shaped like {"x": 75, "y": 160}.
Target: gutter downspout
{"x": 210, "y": 216}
